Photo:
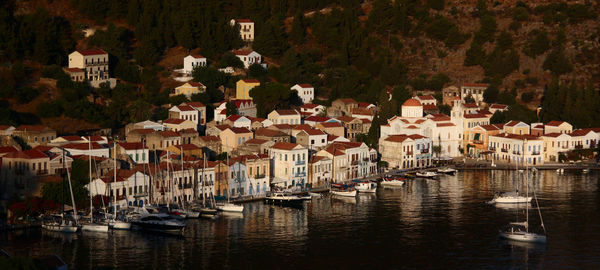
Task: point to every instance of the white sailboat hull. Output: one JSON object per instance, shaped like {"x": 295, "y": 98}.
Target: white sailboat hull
{"x": 392, "y": 183}
{"x": 366, "y": 187}
{"x": 344, "y": 193}
{"x": 524, "y": 237}
{"x": 512, "y": 199}
{"x": 230, "y": 207}
{"x": 60, "y": 228}
{"x": 94, "y": 227}
{"x": 120, "y": 225}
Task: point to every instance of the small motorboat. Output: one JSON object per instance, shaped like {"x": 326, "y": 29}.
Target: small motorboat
{"x": 284, "y": 199}
{"x": 160, "y": 222}
{"x": 306, "y": 197}
{"x": 426, "y": 174}
{"x": 560, "y": 171}
{"x": 447, "y": 170}
{"x": 585, "y": 171}
{"x": 393, "y": 181}
{"x": 230, "y": 207}
{"x": 366, "y": 187}
{"x": 315, "y": 195}
{"x": 509, "y": 197}
{"x": 343, "y": 190}
{"x": 94, "y": 227}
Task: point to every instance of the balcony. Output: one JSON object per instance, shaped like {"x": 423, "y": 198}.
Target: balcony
{"x": 409, "y": 153}
{"x": 41, "y": 172}
{"x": 425, "y": 151}
{"x": 366, "y": 159}
{"x": 504, "y": 150}
{"x": 188, "y": 185}
{"x": 300, "y": 174}
{"x": 354, "y": 162}
{"x": 535, "y": 153}
{"x": 579, "y": 146}
{"x": 140, "y": 194}
{"x": 516, "y": 152}
{"x": 492, "y": 148}
{"x": 477, "y": 141}
{"x": 259, "y": 176}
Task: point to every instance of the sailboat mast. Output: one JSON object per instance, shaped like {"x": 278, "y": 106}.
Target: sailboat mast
{"x": 228, "y": 178}
{"x": 115, "y": 180}
{"x": 90, "y": 174}
{"x": 181, "y": 177}
{"x": 72, "y": 197}
{"x": 202, "y": 179}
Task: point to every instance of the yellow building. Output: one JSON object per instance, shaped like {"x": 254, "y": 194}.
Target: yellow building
{"x": 188, "y": 89}
{"x": 243, "y": 86}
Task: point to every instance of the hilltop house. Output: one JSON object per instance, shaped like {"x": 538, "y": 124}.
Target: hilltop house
{"x": 306, "y": 92}
{"x": 93, "y": 65}
{"x": 246, "y": 28}
{"x": 188, "y": 89}
{"x": 193, "y": 61}
{"x": 248, "y": 57}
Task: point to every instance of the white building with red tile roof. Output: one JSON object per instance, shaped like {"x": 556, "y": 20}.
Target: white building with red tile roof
{"x": 426, "y": 100}
{"x": 246, "y": 28}
{"x": 88, "y": 149}
{"x": 310, "y": 109}
{"x": 193, "y": 61}
{"x": 404, "y": 151}
{"x": 289, "y": 165}
{"x": 248, "y": 57}
{"x": 291, "y": 117}
{"x": 558, "y": 127}
{"x": 475, "y": 90}
{"x": 306, "y": 92}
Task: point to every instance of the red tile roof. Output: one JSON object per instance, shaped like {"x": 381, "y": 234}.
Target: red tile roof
{"x": 195, "y": 104}
{"x": 143, "y": 131}
{"x": 317, "y": 119}
{"x": 197, "y": 56}
{"x": 83, "y": 146}
{"x": 9, "y": 149}
{"x": 396, "y": 138}
{"x": 265, "y": 132}
{"x": 445, "y": 125}
{"x": 132, "y": 145}
{"x": 185, "y": 108}
{"x": 331, "y": 124}
{"x": 251, "y": 80}
{"x": 475, "y": 84}
{"x": 305, "y": 85}
{"x": 197, "y": 84}
{"x": 470, "y": 105}
{"x": 555, "y": 123}
{"x": 284, "y": 146}
{"x": 210, "y": 138}
{"x": 73, "y": 70}
{"x": 498, "y": 106}
{"x": 427, "y": 97}
{"x": 475, "y": 115}
{"x": 37, "y": 128}
{"x": 411, "y": 102}
{"x": 240, "y": 130}
{"x": 168, "y": 133}
{"x": 91, "y": 52}
{"x": 187, "y": 146}
{"x": 347, "y": 100}
{"x": 287, "y": 112}
{"x": 430, "y": 107}
{"x": 256, "y": 141}
{"x": 27, "y": 154}
{"x": 309, "y": 106}
{"x": 71, "y": 138}
{"x": 174, "y": 121}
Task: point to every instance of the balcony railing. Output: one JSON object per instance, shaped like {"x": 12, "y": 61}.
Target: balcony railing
{"x": 300, "y": 174}
{"x": 354, "y": 162}
{"x": 409, "y": 153}
{"x": 535, "y": 152}
{"x": 188, "y": 185}
{"x": 425, "y": 151}
{"x": 300, "y": 162}
{"x": 504, "y": 150}
{"x": 259, "y": 176}
{"x": 140, "y": 194}
{"x": 516, "y": 152}
{"x": 492, "y": 148}
{"x": 478, "y": 141}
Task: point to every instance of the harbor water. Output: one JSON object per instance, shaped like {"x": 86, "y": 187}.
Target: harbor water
{"x": 426, "y": 224}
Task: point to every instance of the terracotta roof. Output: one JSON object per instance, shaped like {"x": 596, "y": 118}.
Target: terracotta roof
{"x": 132, "y": 145}
{"x": 317, "y": 119}
{"x": 188, "y": 131}
{"x": 498, "y": 106}
{"x": 284, "y": 146}
{"x": 174, "y": 121}
{"x": 91, "y": 52}
{"x": 331, "y": 124}
{"x": 94, "y": 138}
{"x": 305, "y": 85}
{"x": 282, "y": 126}
{"x": 143, "y": 131}
{"x": 243, "y": 20}
{"x": 396, "y": 138}
{"x": 580, "y": 132}
{"x": 475, "y": 84}
{"x": 250, "y": 80}
{"x": 187, "y": 146}
{"x": 361, "y": 111}
{"x": 239, "y": 130}
{"x": 168, "y": 133}
{"x": 313, "y": 132}
{"x": 73, "y": 70}
{"x": 197, "y": 84}
{"x": 518, "y": 137}
{"x": 441, "y": 118}
{"x": 71, "y": 138}
{"x": 365, "y": 121}
{"x": 27, "y": 154}
{"x": 513, "y": 123}
{"x": 484, "y": 112}
{"x": 555, "y": 123}
{"x": 470, "y": 105}
{"x": 287, "y": 112}
{"x": 445, "y": 125}
{"x": 233, "y": 117}
{"x": 84, "y": 146}
{"x": 194, "y": 104}
{"x": 4, "y": 127}
{"x": 539, "y": 126}
{"x": 9, "y": 149}
{"x": 315, "y": 159}
{"x": 475, "y": 115}
{"x": 197, "y": 56}
{"x": 222, "y": 127}
{"x": 185, "y": 108}
{"x": 242, "y": 52}
{"x": 269, "y": 133}
{"x": 239, "y": 102}
{"x": 553, "y": 134}
{"x": 302, "y": 127}
{"x": 412, "y": 127}
{"x": 411, "y": 102}
{"x": 489, "y": 127}
{"x": 345, "y": 118}
{"x": 416, "y": 136}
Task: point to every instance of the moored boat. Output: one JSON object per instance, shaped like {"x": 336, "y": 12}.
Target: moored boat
{"x": 343, "y": 190}
{"x": 283, "y": 199}
{"x": 59, "y": 223}
{"x": 160, "y": 222}
{"x": 510, "y": 197}
{"x": 426, "y": 174}
{"x": 230, "y": 207}
{"x": 393, "y": 181}
{"x": 366, "y": 187}
{"x": 447, "y": 170}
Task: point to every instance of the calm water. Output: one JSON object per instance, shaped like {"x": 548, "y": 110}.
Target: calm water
{"x": 425, "y": 224}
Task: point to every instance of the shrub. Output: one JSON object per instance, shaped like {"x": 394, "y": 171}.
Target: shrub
{"x": 527, "y": 96}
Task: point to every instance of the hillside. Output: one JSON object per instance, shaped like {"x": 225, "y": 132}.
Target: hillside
{"x": 347, "y": 48}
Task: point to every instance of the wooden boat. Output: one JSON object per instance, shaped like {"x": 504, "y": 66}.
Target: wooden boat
{"x": 343, "y": 190}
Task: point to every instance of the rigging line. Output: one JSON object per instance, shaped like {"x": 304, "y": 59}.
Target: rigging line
{"x": 538, "y": 208}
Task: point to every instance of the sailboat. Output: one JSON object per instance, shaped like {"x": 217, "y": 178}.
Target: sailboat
{"x": 60, "y": 223}
{"x": 189, "y": 212}
{"x": 519, "y": 231}
{"x": 92, "y": 226}
{"x": 228, "y": 206}
{"x": 115, "y": 223}
{"x": 206, "y": 210}
{"x": 510, "y": 197}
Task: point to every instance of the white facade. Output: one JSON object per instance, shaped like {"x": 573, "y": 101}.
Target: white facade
{"x": 306, "y": 92}
{"x": 291, "y": 117}
{"x": 524, "y": 149}
{"x": 191, "y": 62}
{"x": 474, "y": 90}
{"x": 186, "y": 113}
{"x": 246, "y": 28}
{"x": 289, "y": 164}
{"x": 248, "y": 57}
